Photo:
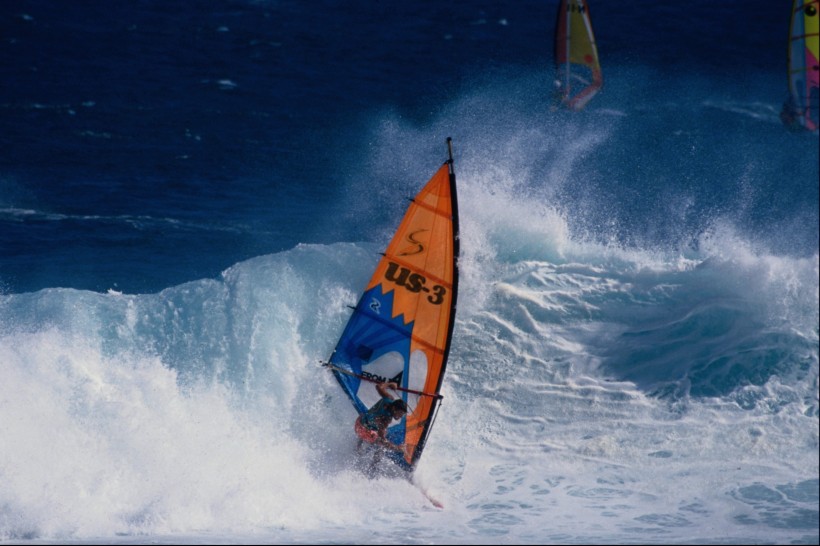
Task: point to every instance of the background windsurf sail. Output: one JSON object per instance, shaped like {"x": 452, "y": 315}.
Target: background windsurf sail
{"x": 402, "y": 326}
{"x": 804, "y": 68}
{"x": 577, "y": 69}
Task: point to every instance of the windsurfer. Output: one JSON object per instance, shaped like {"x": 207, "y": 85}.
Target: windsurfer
{"x": 371, "y": 426}
{"x": 790, "y": 116}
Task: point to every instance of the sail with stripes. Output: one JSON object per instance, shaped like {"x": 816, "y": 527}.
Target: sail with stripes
{"x": 402, "y": 325}
{"x": 802, "y": 109}
{"x": 578, "y": 75}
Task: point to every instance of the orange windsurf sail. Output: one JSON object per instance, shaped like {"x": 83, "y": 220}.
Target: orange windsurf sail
{"x": 402, "y": 326}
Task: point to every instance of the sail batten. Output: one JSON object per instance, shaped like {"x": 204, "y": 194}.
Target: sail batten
{"x": 402, "y": 326}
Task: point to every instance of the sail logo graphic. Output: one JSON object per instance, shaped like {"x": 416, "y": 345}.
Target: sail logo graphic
{"x": 414, "y": 282}
{"x": 418, "y": 246}
{"x": 375, "y": 306}
{"x": 377, "y": 378}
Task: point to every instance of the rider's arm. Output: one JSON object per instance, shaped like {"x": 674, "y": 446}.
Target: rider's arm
{"x": 381, "y": 388}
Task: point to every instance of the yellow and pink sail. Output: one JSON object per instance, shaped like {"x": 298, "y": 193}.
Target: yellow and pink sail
{"x": 578, "y": 75}
{"x": 402, "y": 325}
{"x": 804, "y": 68}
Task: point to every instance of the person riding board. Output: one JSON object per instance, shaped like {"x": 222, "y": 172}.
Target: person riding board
{"x": 371, "y": 426}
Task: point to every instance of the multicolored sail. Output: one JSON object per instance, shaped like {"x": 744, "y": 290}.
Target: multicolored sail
{"x": 401, "y": 328}
{"x": 803, "y": 105}
{"x": 577, "y": 69}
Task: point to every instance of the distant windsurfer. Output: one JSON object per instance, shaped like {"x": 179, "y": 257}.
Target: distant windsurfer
{"x": 371, "y": 426}
{"x": 789, "y": 115}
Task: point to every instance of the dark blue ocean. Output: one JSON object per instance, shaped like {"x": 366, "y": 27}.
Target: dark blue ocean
{"x": 192, "y": 193}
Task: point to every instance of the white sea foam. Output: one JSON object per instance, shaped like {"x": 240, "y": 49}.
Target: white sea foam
{"x": 204, "y": 407}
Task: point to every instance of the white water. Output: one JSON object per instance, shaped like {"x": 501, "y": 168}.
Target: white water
{"x": 593, "y": 395}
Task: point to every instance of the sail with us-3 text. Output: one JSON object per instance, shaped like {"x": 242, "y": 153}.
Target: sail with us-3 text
{"x": 402, "y": 325}
{"x": 578, "y": 75}
{"x": 802, "y": 108}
